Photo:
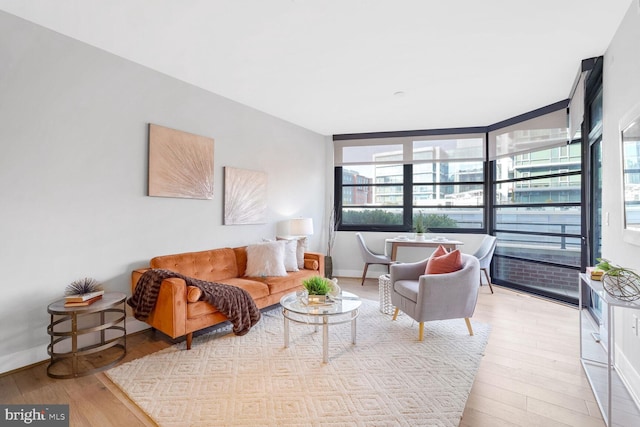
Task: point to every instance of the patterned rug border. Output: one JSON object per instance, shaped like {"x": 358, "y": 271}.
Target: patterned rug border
{"x": 387, "y": 378}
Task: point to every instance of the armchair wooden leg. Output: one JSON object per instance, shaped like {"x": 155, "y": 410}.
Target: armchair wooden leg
{"x": 364, "y": 274}
{"x": 421, "y": 331}
{"x": 395, "y": 314}
{"x": 486, "y": 274}
{"x": 189, "y": 339}
{"x": 466, "y": 319}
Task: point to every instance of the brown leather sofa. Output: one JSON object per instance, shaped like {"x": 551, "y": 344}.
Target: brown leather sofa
{"x": 178, "y": 311}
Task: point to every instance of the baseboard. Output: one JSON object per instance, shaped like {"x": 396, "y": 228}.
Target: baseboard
{"x": 24, "y": 358}
{"x": 371, "y": 274}
{"x": 35, "y": 355}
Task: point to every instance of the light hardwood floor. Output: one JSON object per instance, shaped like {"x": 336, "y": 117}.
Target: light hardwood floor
{"x": 530, "y": 374}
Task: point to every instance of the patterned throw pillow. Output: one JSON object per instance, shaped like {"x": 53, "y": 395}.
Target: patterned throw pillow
{"x": 442, "y": 262}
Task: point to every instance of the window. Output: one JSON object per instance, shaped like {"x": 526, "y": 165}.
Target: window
{"x": 518, "y": 180}
{"x": 384, "y": 183}
{"x": 537, "y": 206}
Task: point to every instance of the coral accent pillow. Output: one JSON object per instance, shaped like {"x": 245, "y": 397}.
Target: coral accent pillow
{"x": 266, "y": 259}
{"x": 442, "y": 262}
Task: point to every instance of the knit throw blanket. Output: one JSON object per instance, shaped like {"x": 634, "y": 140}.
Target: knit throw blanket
{"x": 233, "y": 302}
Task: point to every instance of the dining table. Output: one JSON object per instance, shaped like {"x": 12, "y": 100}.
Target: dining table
{"x": 397, "y": 242}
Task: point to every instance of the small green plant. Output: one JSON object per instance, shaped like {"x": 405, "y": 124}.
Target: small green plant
{"x": 420, "y": 224}
{"x": 614, "y": 270}
{"x": 317, "y": 285}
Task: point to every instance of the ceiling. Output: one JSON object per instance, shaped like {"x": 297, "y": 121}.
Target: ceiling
{"x": 350, "y": 66}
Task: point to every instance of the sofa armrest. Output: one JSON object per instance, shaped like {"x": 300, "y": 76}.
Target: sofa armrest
{"x": 317, "y": 256}
{"x": 135, "y": 276}
{"x": 170, "y": 313}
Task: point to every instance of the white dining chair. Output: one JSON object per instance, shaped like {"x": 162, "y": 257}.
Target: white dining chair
{"x": 485, "y": 255}
{"x": 371, "y": 257}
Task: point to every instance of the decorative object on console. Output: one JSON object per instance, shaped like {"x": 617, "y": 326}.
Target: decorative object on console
{"x": 245, "y": 196}
{"x": 619, "y": 282}
{"x": 83, "y": 287}
{"x": 180, "y": 164}
{"x": 595, "y": 273}
{"x": 82, "y": 292}
{"x": 85, "y": 302}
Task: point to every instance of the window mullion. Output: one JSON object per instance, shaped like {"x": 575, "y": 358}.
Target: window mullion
{"x": 407, "y": 197}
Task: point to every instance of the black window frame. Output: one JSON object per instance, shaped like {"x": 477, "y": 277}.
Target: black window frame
{"x": 407, "y": 206}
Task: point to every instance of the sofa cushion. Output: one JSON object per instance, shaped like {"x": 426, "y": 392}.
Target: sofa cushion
{"x": 212, "y": 265}
{"x": 442, "y": 263}
{"x": 255, "y": 288}
{"x": 407, "y": 288}
{"x": 290, "y": 282}
{"x": 266, "y": 259}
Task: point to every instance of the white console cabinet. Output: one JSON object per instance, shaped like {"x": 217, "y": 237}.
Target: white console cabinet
{"x": 597, "y": 354}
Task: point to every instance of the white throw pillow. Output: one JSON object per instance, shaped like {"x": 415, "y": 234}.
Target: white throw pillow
{"x": 290, "y": 255}
{"x": 300, "y": 249}
{"x": 266, "y": 259}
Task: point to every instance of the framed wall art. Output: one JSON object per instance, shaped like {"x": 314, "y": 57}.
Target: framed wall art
{"x": 180, "y": 164}
{"x": 245, "y": 196}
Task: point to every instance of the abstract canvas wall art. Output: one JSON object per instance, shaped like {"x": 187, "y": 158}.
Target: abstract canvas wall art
{"x": 245, "y": 196}
{"x": 180, "y": 164}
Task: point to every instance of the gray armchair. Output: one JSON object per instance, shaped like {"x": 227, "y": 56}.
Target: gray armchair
{"x": 425, "y": 297}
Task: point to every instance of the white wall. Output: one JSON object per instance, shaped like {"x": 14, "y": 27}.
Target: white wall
{"x": 73, "y": 174}
{"x": 621, "y": 93}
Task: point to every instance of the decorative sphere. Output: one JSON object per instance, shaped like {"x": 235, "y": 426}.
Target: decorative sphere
{"x": 624, "y": 285}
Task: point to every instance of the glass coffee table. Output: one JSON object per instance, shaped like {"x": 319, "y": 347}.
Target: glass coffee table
{"x": 341, "y": 309}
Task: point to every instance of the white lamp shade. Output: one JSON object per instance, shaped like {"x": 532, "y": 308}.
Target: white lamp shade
{"x": 301, "y": 226}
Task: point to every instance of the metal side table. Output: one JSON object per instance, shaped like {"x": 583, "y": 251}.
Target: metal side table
{"x": 78, "y": 334}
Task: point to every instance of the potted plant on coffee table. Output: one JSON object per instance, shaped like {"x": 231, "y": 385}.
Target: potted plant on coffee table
{"x": 317, "y": 288}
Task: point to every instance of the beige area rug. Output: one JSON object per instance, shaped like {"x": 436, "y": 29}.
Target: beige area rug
{"x": 387, "y": 379}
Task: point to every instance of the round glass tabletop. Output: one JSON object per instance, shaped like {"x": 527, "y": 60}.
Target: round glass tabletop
{"x": 344, "y": 303}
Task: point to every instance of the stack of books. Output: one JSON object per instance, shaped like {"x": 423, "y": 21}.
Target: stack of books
{"x": 82, "y": 300}
{"x": 595, "y": 273}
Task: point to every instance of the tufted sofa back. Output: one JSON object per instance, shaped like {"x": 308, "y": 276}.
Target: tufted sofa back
{"x": 211, "y": 265}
